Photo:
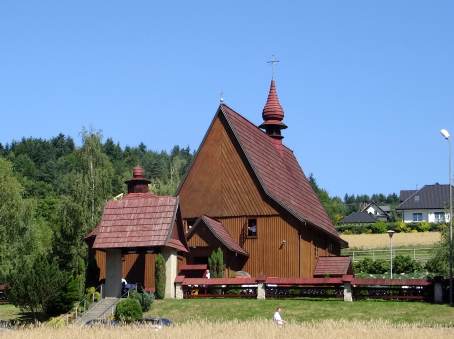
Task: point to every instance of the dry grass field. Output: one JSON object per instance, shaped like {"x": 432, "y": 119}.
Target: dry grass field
{"x": 369, "y": 241}
{"x": 234, "y": 329}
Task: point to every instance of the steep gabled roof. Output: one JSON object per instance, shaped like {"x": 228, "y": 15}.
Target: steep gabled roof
{"x": 333, "y": 266}
{"x": 429, "y": 197}
{"x": 219, "y": 232}
{"x": 138, "y": 220}
{"x": 358, "y": 218}
{"x": 278, "y": 173}
{"x": 385, "y": 209}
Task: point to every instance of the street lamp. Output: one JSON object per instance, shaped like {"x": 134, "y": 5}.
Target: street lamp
{"x": 391, "y": 233}
{"x": 447, "y": 137}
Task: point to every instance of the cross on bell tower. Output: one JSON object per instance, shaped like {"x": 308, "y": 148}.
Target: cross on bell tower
{"x": 273, "y": 63}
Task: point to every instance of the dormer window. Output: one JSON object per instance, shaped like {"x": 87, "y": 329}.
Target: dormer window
{"x": 252, "y": 228}
{"x": 416, "y": 198}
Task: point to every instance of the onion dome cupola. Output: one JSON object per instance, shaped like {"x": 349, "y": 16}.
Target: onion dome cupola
{"x": 273, "y": 114}
{"x": 138, "y": 183}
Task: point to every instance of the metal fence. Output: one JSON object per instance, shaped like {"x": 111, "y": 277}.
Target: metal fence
{"x": 419, "y": 254}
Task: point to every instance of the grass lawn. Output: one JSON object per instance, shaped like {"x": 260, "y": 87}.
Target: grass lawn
{"x": 8, "y": 311}
{"x": 302, "y": 310}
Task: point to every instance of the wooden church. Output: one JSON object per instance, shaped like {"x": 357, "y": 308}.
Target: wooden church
{"x": 246, "y": 194}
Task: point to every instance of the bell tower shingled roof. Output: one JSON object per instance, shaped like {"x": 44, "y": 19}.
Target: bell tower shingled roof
{"x": 273, "y": 114}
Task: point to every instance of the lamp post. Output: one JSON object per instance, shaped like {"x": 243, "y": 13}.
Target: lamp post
{"x": 391, "y": 233}
{"x": 447, "y": 137}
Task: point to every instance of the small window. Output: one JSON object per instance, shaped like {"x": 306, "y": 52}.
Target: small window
{"x": 439, "y": 216}
{"x": 417, "y": 216}
{"x": 252, "y": 228}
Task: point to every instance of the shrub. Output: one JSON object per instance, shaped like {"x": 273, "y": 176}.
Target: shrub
{"x": 423, "y": 227}
{"x": 66, "y": 297}
{"x": 379, "y": 266}
{"x": 402, "y": 227}
{"x": 379, "y": 227}
{"x": 145, "y": 299}
{"x": 436, "y": 227}
{"x": 370, "y": 266}
{"x": 92, "y": 295}
{"x": 216, "y": 264}
{"x": 405, "y": 264}
{"x": 160, "y": 276}
{"x": 39, "y": 286}
{"x": 362, "y": 265}
{"x": 128, "y": 310}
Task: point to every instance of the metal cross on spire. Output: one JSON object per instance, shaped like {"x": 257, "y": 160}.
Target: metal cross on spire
{"x": 273, "y": 61}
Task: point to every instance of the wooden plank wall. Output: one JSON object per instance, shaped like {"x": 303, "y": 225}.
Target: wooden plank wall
{"x": 101, "y": 262}
{"x": 219, "y": 183}
{"x": 149, "y": 279}
{"x": 268, "y": 254}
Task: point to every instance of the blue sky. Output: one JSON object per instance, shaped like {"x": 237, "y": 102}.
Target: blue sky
{"x": 365, "y": 85}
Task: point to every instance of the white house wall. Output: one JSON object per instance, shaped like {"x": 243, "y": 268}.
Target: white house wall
{"x": 427, "y": 215}
{"x": 372, "y": 210}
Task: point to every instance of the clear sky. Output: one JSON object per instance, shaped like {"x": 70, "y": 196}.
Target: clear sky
{"x": 365, "y": 85}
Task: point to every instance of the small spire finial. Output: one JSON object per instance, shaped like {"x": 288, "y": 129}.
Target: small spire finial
{"x": 221, "y": 97}
{"x": 273, "y": 61}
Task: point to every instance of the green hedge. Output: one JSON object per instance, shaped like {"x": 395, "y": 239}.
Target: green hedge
{"x": 401, "y": 264}
{"x": 128, "y": 310}
{"x": 383, "y": 227}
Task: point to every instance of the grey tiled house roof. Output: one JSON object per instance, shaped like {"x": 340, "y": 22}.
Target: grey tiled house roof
{"x": 429, "y": 197}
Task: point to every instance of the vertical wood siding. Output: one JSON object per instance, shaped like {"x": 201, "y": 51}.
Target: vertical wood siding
{"x": 101, "y": 262}
{"x": 219, "y": 183}
{"x": 149, "y": 280}
{"x": 269, "y": 255}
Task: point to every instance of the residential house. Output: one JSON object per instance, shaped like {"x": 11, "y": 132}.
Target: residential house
{"x": 430, "y": 203}
{"x": 369, "y": 213}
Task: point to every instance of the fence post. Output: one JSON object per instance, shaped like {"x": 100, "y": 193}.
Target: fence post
{"x": 438, "y": 290}
{"x": 261, "y": 290}
{"x": 178, "y": 290}
{"x": 414, "y": 254}
{"x": 348, "y": 293}
{"x": 353, "y": 259}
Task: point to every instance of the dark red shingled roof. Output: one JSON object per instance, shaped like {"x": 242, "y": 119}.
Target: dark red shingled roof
{"x": 138, "y": 220}
{"x": 333, "y": 266}
{"x": 279, "y": 173}
{"x": 273, "y": 109}
{"x": 219, "y": 232}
